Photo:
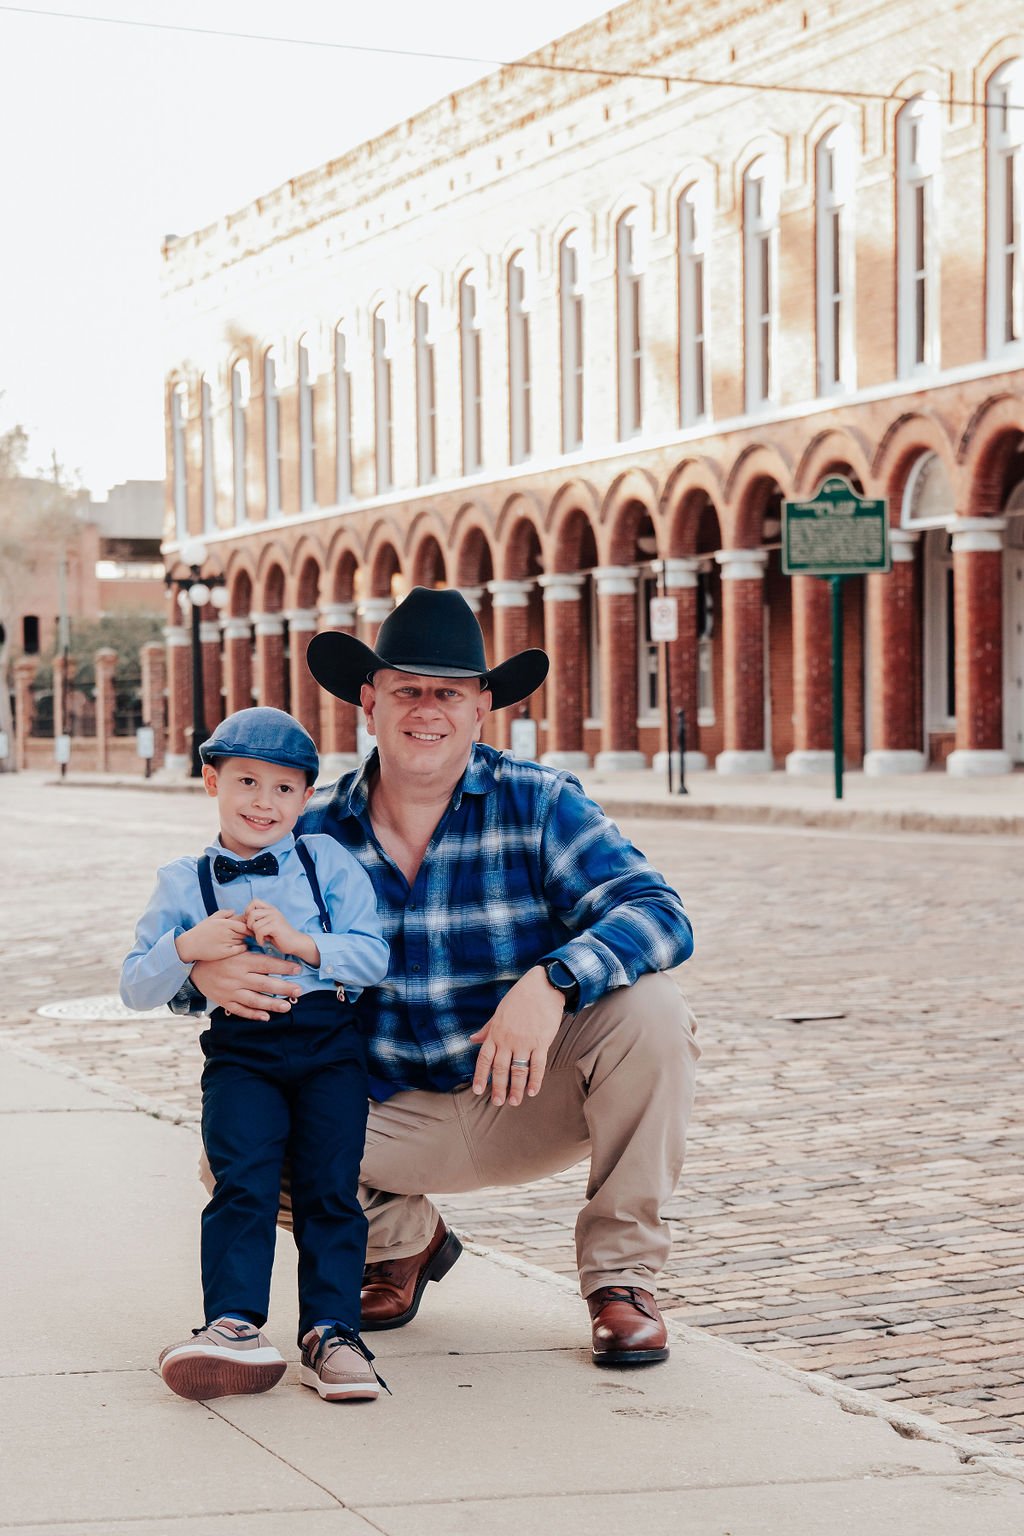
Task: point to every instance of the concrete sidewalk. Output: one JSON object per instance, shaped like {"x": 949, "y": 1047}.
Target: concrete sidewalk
{"x": 923, "y": 802}
{"x": 499, "y": 1424}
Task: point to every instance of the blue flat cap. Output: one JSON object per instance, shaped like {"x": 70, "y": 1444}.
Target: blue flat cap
{"x": 269, "y": 735}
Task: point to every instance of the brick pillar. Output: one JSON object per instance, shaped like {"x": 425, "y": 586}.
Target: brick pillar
{"x": 811, "y": 599}
{"x": 25, "y": 669}
{"x": 105, "y": 661}
{"x": 894, "y": 663}
{"x": 617, "y": 627}
{"x": 565, "y": 643}
{"x": 510, "y": 604}
{"x": 337, "y": 719}
{"x": 372, "y": 612}
{"x": 305, "y": 694}
{"x": 743, "y": 653}
{"x": 153, "y": 662}
{"x": 978, "y": 626}
{"x": 237, "y": 653}
{"x": 681, "y": 583}
{"x": 179, "y": 699}
{"x": 210, "y": 660}
{"x": 269, "y": 629}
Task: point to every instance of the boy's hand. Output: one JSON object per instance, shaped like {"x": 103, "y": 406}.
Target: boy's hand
{"x": 269, "y": 926}
{"x": 215, "y": 938}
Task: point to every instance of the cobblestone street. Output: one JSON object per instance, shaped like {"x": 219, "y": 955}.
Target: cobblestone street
{"x": 854, "y": 1197}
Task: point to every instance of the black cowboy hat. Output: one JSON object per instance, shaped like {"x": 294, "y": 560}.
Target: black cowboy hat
{"x": 431, "y": 633}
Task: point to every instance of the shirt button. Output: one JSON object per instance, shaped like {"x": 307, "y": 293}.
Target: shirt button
{"x": 412, "y": 906}
{"x": 414, "y": 967}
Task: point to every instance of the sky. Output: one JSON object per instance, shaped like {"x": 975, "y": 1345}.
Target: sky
{"x": 115, "y": 136}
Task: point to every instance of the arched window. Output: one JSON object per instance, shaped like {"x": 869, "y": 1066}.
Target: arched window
{"x": 520, "y": 436}
{"x": 1004, "y": 122}
{"x": 469, "y": 360}
{"x": 383, "y": 423}
{"x": 917, "y": 153}
{"x": 343, "y": 418}
{"x": 179, "y": 414}
{"x": 693, "y": 215}
{"x": 307, "y": 427}
{"x": 209, "y": 484}
{"x": 271, "y": 433}
{"x": 628, "y": 282}
{"x": 570, "y": 304}
{"x": 760, "y": 281}
{"x": 426, "y": 390}
{"x": 239, "y": 438}
{"x": 834, "y": 261}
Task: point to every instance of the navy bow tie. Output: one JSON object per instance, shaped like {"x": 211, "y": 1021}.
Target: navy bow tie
{"x": 226, "y": 870}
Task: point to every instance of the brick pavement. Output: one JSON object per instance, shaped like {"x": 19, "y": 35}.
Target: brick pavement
{"x": 853, "y": 1201}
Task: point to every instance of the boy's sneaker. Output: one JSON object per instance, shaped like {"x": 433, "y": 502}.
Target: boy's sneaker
{"x": 225, "y": 1357}
{"x": 337, "y": 1364}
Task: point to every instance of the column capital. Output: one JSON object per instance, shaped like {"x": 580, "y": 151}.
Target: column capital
{"x": 977, "y": 535}
{"x": 105, "y": 657}
{"x": 209, "y": 632}
{"x": 615, "y": 580}
{"x": 681, "y": 572}
{"x": 903, "y": 545}
{"x": 338, "y": 615}
{"x": 301, "y": 620}
{"x": 510, "y": 594}
{"x": 237, "y": 628}
{"x": 561, "y": 588}
{"x": 267, "y": 624}
{"x": 375, "y": 609}
{"x": 742, "y": 565}
{"x": 175, "y": 635}
{"x": 473, "y": 596}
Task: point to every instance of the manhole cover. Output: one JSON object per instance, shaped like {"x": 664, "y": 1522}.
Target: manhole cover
{"x": 97, "y": 1008}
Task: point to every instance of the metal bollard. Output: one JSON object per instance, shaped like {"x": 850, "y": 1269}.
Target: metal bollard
{"x": 681, "y": 737}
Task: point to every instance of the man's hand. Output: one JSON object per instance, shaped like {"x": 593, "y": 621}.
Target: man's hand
{"x": 520, "y": 1030}
{"x": 217, "y": 937}
{"x": 269, "y": 926}
{"x": 245, "y": 984}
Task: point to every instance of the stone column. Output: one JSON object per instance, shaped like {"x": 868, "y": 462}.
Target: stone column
{"x": 893, "y": 647}
{"x": 510, "y": 604}
{"x": 372, "y": 612}
{"x": 812, "y": 676}
{"x": 564, "y": 642}
{"x": 210, "y": 660}
{"x": 25, "y": 669}
{"x": 153, "y": 662}
{"x": 743, "y": 655}
{"x": 105, "y": 661}
{"x": 237, "y": 651}
{"x": 304, "y": 691}
{"x": 337, "y": 719}
{"x": 978, "y": 623}
{"x": 179, "y": 699}
{"x": 616, "y": 597}
{"x": 681, "y": 583}
{"x": 269, "y": 631}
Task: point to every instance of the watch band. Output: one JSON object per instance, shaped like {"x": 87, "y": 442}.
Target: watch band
{"x": 563, "y": 980}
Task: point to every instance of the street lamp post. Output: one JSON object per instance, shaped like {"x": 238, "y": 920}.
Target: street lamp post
{"x": 194, "y": 592}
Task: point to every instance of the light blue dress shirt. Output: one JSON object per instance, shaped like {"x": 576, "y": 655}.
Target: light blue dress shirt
{"x": 353, "y": 955}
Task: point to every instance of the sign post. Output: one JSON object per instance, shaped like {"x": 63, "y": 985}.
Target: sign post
{"x": 837, "y": 534}
{"x": 664, "y": 626}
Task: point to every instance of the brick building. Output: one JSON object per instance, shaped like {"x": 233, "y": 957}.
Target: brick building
{"x": 564, "y": 340}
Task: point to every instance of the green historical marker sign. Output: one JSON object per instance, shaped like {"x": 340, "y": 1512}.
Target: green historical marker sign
{"x": 838, "y": 533}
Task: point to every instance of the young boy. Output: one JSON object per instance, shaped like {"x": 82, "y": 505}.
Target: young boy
{"x": 294, "y": 1082}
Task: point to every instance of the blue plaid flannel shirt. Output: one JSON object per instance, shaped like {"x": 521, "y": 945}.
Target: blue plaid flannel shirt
{"x": 523, "y": 867}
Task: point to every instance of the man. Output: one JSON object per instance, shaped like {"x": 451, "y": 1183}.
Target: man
{"x": 524, "y": 1022}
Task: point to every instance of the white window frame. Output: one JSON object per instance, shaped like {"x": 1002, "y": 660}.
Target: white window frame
{"x": 471, "y": 375}
{"x": 240, "y": 392}
{"x": 209, "y": 484}
{"x": 629, "y": 325}
{"x": 647, "y": 653}
{"x": 834, "y": 265}
{"x": 272, "y": 432}
{"x": 426, "y": 389}
{"x": 342, "y": 418}
{"x": 917, "y": 244}
{"x": 383, "y": 413}
{"x": 706, "y": 716}
{"x": 1004, "y": 157}
{"x": 307, "y": 375}
{"x": 179, "y": 458}
{"x": 571, "y": 338}
{"x": 760, "y": 283}
{"x": 520, "y": 424}
{"x": 693, "y": 220}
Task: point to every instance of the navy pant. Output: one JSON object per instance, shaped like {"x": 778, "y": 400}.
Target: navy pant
{"x": 294, "y": 1084}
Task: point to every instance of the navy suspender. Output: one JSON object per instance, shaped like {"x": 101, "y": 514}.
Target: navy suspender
{"x": 210, "y": 899}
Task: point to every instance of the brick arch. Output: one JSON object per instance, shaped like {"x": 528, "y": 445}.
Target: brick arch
{"x": 574, "y": 494}
{"x": 473, "y": 562}
{"x": 758, "y": 474}
{"x": 573, "y": 540}
{"x": 342, "y": 562}
{"x": 273, "y": 587}
{"x": 834, "y": 451}
{"x": 383, "y": 559}
{"x": 906, "y": 440}
{"x": 519, "y": 549}
{"x": 621, "y": 535}
{"x": 521, "y": 504}
{"x": 427, "y": 562}
{"x": 991, "y": 442}
{"x": 239, "y": 578}
{"x": 307, "y": 582}
{"x": 634, "y": 485}
{"x": 692, "y": 485}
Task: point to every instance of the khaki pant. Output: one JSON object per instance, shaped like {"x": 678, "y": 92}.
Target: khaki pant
{"x": 619, "y": 1087}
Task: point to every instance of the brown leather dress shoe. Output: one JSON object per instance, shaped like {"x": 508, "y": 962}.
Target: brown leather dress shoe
{"x": 628, "y": 1328}
{"x": 392, "y": 1288}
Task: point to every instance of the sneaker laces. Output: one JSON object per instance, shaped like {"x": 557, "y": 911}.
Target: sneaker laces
{"x": 337, "y": 1334}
